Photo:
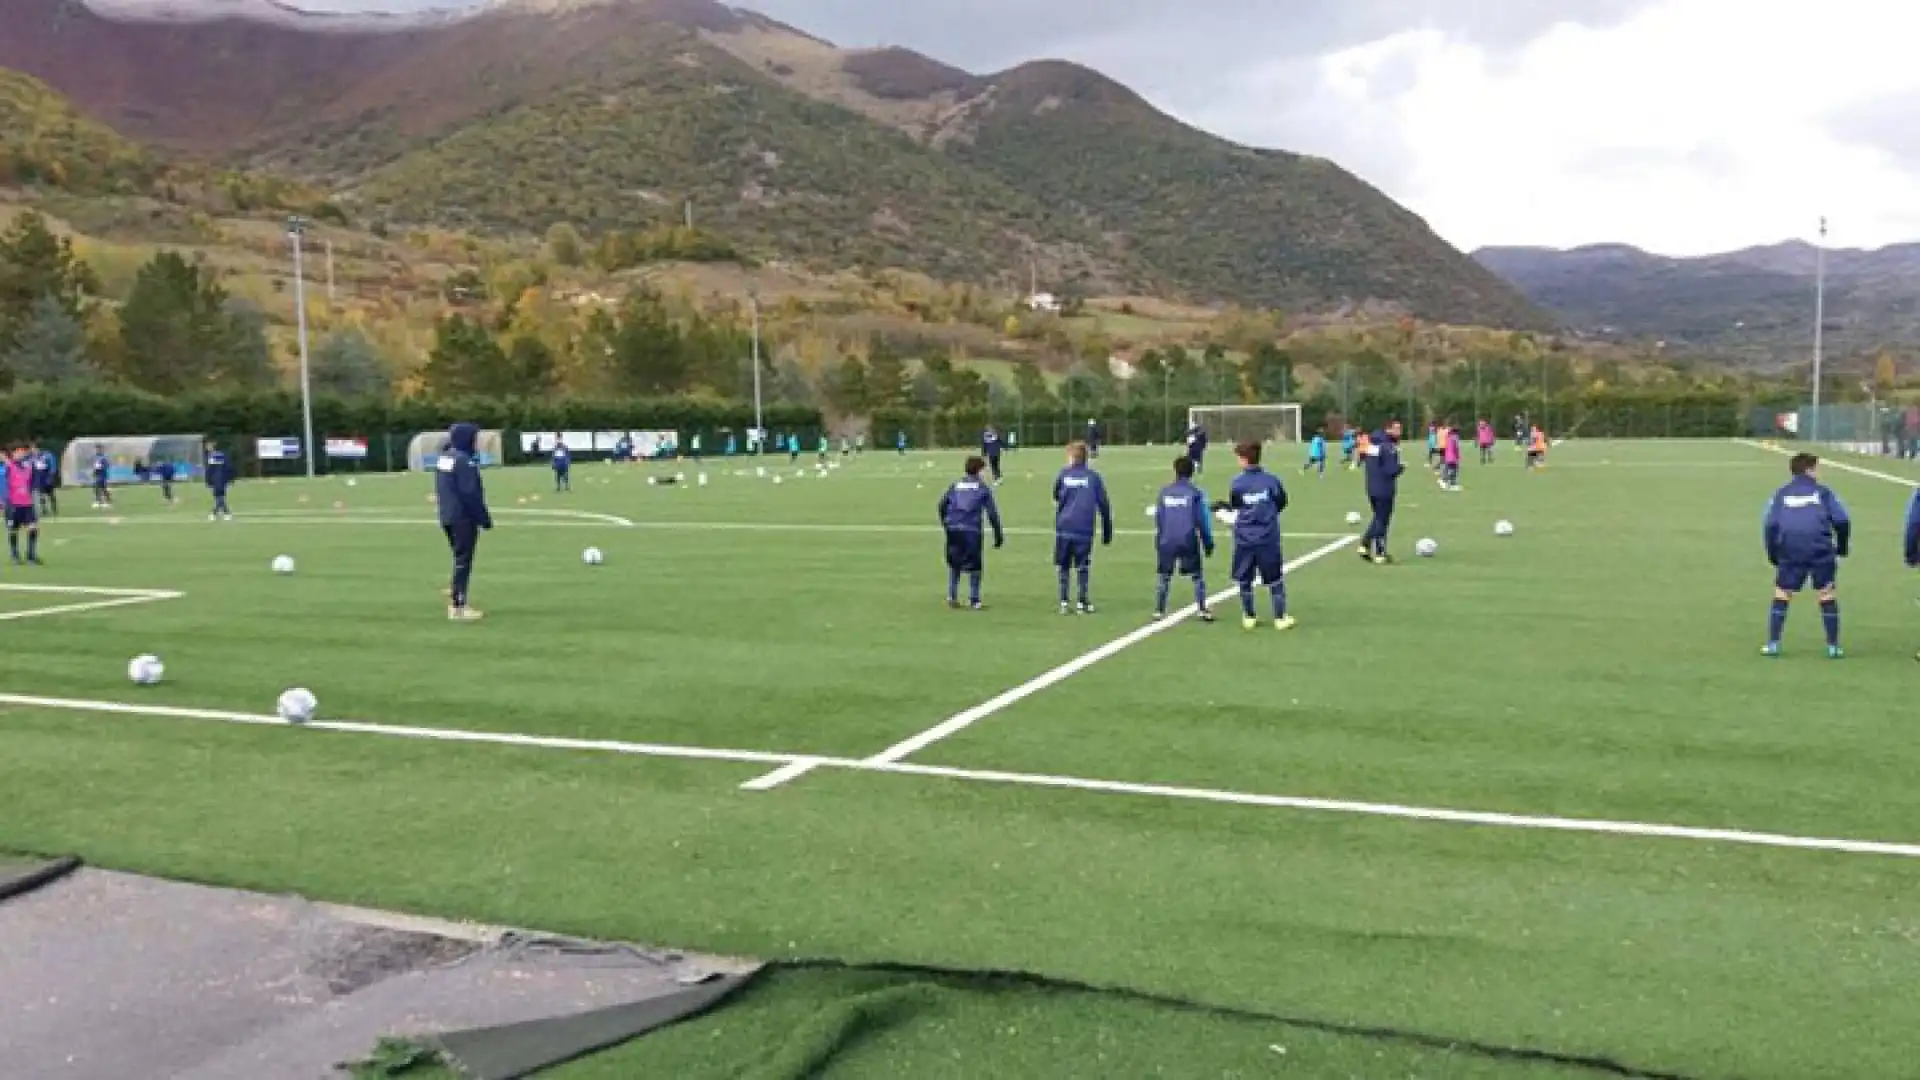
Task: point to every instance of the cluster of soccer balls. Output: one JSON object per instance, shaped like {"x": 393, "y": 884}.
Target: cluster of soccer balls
{"x": 1427, "y": 547}
{"x": 296, "y": 706}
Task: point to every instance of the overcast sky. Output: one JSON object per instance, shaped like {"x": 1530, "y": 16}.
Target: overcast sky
{"x": 1683, "y": 126}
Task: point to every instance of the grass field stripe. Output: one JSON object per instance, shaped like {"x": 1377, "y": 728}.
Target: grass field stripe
{"x": 352, "y": 727}
{"x": 1436, "y": 815}
{"x": 1414, "y": 813}
{"x": 1826, "y": 463}
{"x": 90, "y": 605}
{"x": 793, "y": 770}
{"x": 961, "y": 721}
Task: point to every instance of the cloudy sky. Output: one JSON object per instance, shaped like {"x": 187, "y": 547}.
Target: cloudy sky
{"x": 1683, "y": 126}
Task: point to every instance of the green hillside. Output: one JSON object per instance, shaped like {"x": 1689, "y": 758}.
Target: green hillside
{"x": 45, "y": 142}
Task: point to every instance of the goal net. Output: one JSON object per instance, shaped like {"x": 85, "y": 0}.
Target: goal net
{"x": 129, "y": 455}
{"x": 1229, "y": 424}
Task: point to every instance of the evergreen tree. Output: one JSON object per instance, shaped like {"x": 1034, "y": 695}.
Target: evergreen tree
{"x": 887, "y": 384}
{"x": 649, "y": 355}
{"x": 246, "y": 356}
{"x": 346, "y": 364}
{"x": 531, "y": 363}
{"x": 848, "y": 393}
{"x": 49, "y": 349}
{"x": 176, "y": 333}
{"x": 466, "y": 360}
{"x": 35, "y": 264}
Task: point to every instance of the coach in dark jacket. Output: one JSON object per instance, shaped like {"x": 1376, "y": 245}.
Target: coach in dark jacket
{"x": 463, "y": 511}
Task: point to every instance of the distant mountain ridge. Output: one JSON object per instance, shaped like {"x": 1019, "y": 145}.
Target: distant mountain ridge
{"x": 1756, "y": 303}
{"x": 614, "y": 113}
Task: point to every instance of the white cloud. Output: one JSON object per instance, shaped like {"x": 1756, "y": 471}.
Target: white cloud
{"x": 1694, "y": 126}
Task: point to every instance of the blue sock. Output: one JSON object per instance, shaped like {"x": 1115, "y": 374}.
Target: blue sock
{"x": 1830, "y": 618}
{"x": 1062, "y": 573}
{"x": 13, "y": 543}
{"x": 1246, "y": 598}
{"x": 1279, "y": 591}
{"x": 1200, "y": 593}
{"x": 33, "y": 551}
{"x": 1776, "y": 621}
{"x": 1086, "y": 573}
{"x": 1160, "y": 593}
{"x": 973, "y": 586}
{"x": 953, "y": 584}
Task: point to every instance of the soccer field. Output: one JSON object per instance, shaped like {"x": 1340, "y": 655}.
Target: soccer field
{"x": 1540, "y": 791}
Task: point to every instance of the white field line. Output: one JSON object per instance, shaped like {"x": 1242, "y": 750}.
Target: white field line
{"x": 1830, "y": 463}
{"x": 115, "y": 598}
{"x": 354, "y": 517}
{"x": 579, "y": 515}
{"x": 1437, "y": 815}
{"x": 961, "y": 721}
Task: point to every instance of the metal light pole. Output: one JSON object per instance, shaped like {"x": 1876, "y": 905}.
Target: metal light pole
{"x": 1819, "y": 320}
{"x": 759, "y": 421}
{"x": 296, "y": 228}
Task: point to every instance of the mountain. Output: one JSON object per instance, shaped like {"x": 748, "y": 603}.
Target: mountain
{"x": 45, "y": 142}
{"x": 1757, "y": 303}
{"x": 608, "y": 113}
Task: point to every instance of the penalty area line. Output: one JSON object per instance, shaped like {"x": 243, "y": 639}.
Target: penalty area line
{"x": 1826, "y": 463}
{"x": 962, "y": 720}
{"x": 806, "y": 762}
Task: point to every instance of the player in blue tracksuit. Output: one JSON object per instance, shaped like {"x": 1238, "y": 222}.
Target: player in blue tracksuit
{"x": 101, "y": 464}
{"x": 1913, "y": 538}
{"x": 1182, "y": 532}
{"x": 1093, "y": 437}
{"x": 1383, "y": 469}
{"x": 1256, "y": 499}
{"x": 562, "y": 461}
{"x": 1197, "y": 447}
{"x": 966, "y": 501}
{"x": 163, "y": 471}
{"x": 463, "y": 512}
{"x": 1079, "y": 497}
{"x": 46, "y": 480}
{"x": 900, "y": 441}
{"x": 1316, "y": 454}
{"x": 1806, "y": 530}
{"x": 1349, "y": 442}
{"x": 990, "y": 449}
{"x": 219, "y": 478}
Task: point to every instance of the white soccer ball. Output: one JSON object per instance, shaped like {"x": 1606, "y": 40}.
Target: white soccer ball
{"x": 1353, "y": 517}
{"x": 776, "y": 480}
{"x": 1503, "y": 528}
{"x": 1426, "y": 548}
{"x": 1226, "y": 517}
{"x": 145, "y": 670}
{"x": 297, "y": 706}
{"x": 1151, "y": 509}
{"x": 283, "y": 564}
{"x": 592, "y": 556}
{"x": 351, "y": 482}
{"x": 651, "y": 481}
{"x": 703, "y": 479}
{"x": 680, "y": 478}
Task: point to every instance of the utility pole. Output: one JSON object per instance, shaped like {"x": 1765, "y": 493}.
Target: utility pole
{"x": 759, "y": 424}
{"x": 329, "y": 274}
{"x": 689, "y": 214}
{"x": 296, "y": 228}
{"x": 1819, "y": 321}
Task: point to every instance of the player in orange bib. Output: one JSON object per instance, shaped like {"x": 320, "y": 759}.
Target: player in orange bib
{"x": 1537, "y": 449}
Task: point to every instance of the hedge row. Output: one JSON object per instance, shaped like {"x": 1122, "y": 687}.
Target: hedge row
{"x": 57, "y": 415}
{"x": 1637, "y": 414}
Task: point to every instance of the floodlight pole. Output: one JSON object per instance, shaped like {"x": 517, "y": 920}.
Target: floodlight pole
{"x": 759, "y": 423}
{"x": 296, "y": 228}
{"x": 1819, "y": 321}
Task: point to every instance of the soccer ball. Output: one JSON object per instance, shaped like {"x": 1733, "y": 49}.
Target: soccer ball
{"x": 703, "y": 479}
{"x": 1426, "y": 548}
{"x": 145, "y": 670}
{"x": 1503, "y": 528}
{"x": 776, "y": 480}
{"x": 1151, "y": 509}
{"x": 297, "y": 706}
{"x": 591, "y": 556}
{"x": 1353, "y": 517}
{"x": 351, "y": 482}
{"x": 283, "y": 564}
{"x": 1226, "y": 517}
{"x": 651, "y": 481}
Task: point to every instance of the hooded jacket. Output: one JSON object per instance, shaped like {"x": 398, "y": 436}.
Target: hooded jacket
{"x": 456, "y": 480}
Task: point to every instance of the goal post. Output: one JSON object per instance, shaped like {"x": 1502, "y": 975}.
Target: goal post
{"x": 1230, "y": 424}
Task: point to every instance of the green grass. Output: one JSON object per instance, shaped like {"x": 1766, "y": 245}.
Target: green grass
{"x": 1600, "y": 663}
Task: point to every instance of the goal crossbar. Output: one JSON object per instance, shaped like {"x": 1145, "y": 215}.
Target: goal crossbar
{"x": 1276, "y": 422}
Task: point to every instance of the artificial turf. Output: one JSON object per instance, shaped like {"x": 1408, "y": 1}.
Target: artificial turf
{"x": 1602, "y": 662}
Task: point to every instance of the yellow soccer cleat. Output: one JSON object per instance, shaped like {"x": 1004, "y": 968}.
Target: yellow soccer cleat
{"x": 1285, "y": 622}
